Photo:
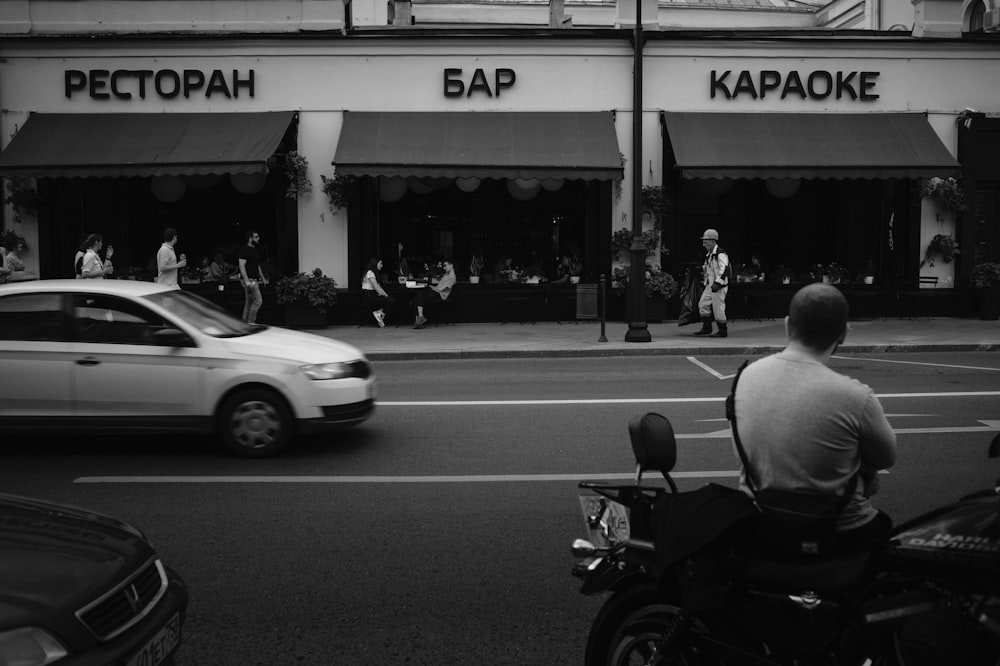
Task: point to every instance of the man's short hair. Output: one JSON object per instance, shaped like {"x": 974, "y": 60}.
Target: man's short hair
{"x": 817, "y": 316}
{"x": 169, "y": 234}
{"x": 250, "y": 233}
{"x": 94, "y": 239}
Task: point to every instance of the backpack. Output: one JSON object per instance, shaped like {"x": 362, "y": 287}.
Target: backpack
{"x": 728, "y": 275}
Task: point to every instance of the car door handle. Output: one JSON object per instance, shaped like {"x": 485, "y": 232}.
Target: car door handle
{"x": 90, "y": 360}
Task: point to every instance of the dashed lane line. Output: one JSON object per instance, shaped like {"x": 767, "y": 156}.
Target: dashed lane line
{"x": 639, "y": 401}
{"x": 933, "y": 365}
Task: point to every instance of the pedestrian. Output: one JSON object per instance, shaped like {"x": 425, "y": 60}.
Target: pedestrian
{"x": 373, "y": 295}
{"x": 167, "y": 264}
{"x": 715, "y": 273}
{"x": 804, "y": 428}
{"x": 78, "y": 259}
{"x": 251, "y": 276}
{"x": 92, "y": 267}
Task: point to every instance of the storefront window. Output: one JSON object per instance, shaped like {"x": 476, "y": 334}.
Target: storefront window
{"x": 525, "y": 231}
{"x": 210, "y": 214}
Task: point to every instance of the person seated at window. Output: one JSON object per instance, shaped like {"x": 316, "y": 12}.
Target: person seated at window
{"x": 373, "y": 296}
{"x": 563, "y": 269}
{"x": 436, "y": 293}
{"x": 219, "y": 270}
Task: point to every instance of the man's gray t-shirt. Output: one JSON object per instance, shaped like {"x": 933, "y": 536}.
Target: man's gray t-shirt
{"x": 805, "y": 427}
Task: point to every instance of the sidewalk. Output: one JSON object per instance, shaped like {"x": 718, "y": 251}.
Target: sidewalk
{"x": 549, "y": 339}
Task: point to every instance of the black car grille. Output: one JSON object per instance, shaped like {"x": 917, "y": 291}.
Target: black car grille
{"x": 126, "y": 604}
{"x": 360, "y": 369}
{"x": 355, "y": 410}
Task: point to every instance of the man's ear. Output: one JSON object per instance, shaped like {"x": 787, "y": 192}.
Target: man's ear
{"x": 787, "y": 336}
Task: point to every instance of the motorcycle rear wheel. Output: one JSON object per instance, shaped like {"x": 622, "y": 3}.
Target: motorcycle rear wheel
{"x": 629, "y": 629}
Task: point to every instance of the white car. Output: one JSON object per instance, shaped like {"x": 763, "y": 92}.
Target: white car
{"x": 128, "y": 356}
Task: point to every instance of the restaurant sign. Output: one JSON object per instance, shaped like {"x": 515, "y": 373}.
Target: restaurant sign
{"x": 818, "y": 84}
{"x": 454, "y": 86}
{"x": 164, "y": 83}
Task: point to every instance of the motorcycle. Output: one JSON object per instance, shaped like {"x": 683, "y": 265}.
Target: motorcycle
{"x": 930, "y": 596}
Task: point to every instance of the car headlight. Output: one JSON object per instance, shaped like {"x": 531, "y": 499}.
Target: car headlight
{"x": 29, "y": 646}
{"x": 328, "y": 371}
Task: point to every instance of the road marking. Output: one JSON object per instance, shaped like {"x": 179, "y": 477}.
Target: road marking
{"x": 709, "y": 370}
{"x": 639, "y": 401}
{"x": 988, "y": 426}
{"x": 588, "y": 401}
{"x": 477, "y": 478}
{"x": 934, "y": 365}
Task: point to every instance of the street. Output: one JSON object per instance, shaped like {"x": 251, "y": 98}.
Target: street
{"x": 438, "y": 532}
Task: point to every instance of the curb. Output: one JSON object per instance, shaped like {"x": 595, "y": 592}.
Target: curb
{"x": 756, "y": 350}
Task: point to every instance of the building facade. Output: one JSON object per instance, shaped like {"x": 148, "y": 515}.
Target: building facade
{"x": 804, "y": 147}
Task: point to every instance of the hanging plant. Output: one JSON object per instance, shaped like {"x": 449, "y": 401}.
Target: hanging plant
{"x": 337, "y": 190}
{"x": 297, "y": 172}
{"x": 621, "y": 240}
{"x": 656, "y": 203}
{"x": 12, "y": 241}
{"x": 21, "y": 197}
{"x": 946, "y": 191}
{"x": 942, "y": 245}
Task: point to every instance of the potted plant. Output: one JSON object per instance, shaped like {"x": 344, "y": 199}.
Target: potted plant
{"x": 337, "y": 190}
{"x": 306, "y": 297}
{"x": 837, "y": 274}
{"x": 575, "y": 269}
{"x": 475, "y": 268}
{"x": 946, "y": 191}
{"x": 660, "y": 287}
{"x": 297, "y": 172}
{"x": 784, "y": 274}
{"x": 985, "y": 279}
{"x": 189, "y": 275}
{"x": 942, "y": 245}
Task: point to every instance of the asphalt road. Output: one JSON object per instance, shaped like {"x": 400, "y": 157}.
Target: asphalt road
{"x": 439, "y": 531}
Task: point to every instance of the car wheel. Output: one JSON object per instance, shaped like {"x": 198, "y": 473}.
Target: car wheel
{"x": 255, "y": 423}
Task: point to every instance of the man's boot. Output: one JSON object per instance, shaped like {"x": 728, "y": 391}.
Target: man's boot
{"x": 706, "y": 326}
{"x": 722, "y": 332}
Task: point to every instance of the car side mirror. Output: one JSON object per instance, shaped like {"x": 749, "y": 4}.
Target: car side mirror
{"x": 171, "y": 337}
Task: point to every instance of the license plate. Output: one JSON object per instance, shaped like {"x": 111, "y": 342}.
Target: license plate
{"x": 611, "y": 524}
{"x": 160, "y": 646}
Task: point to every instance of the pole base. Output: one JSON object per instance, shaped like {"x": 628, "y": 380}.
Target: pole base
{"x": 637, "y": 332}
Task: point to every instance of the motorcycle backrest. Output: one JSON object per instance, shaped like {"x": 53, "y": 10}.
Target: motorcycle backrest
{"x": 653, "y": 442}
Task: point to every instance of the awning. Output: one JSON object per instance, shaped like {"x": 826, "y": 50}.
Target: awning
{"x": 68, "y": 145}
{"x": 807, "y": 145}
{"x": 479, "y": 144}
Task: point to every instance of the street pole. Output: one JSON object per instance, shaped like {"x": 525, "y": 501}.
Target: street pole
{"x": 637, "y": 329}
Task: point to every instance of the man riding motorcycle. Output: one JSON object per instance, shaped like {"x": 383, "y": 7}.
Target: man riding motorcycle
{"x": 804, "y": 427}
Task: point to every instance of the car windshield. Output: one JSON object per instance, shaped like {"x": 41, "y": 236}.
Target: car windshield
{"x": 203, "y": 314}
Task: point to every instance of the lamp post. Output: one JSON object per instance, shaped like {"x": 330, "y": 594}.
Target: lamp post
{"x": 637, "y": 328}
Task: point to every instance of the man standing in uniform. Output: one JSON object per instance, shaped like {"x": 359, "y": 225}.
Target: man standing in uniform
{"x": 166, "y": 259}
{"x": 251, "y": 276}
{"x": 713, "y": 297}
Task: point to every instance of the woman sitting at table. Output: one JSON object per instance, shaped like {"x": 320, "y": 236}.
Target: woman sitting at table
{"x": 372, "y": 294}
{"x": 435, "y": 293}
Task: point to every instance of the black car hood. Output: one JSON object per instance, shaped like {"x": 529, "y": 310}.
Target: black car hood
{"x": 55, "y": 556}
